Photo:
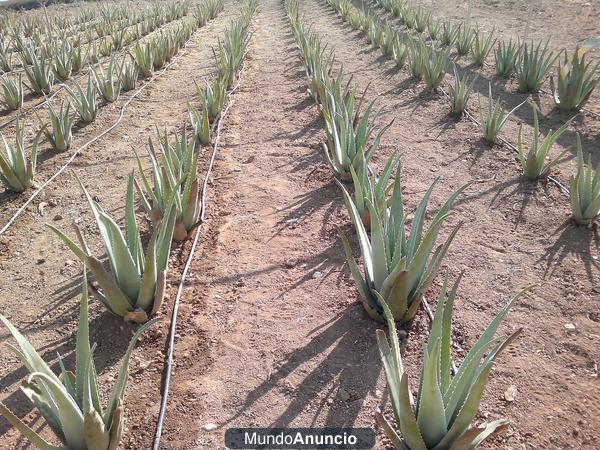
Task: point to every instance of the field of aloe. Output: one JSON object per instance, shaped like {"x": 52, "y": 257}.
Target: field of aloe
{"x": 218, "y": 214}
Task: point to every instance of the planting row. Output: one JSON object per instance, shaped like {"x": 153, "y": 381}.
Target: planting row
{"x": 401, "y": 257}
{"x": 17, "y": 170}
{"x": 58, "y": 61}
{"x": 530, "y": 62}
{"x": 427, "y": 63}
{"x": 134, "y": 283}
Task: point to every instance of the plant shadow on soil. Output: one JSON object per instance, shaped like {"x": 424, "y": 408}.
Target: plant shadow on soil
{"x": 109, "y": 332}
{"x": 342, "y": 334}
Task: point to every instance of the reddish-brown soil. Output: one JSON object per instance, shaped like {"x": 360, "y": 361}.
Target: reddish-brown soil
{"x": 270, "y": 331}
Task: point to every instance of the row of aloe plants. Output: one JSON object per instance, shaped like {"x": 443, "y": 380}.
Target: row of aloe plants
{"x": 430, "y": 64}
{"x": 60, "y": 61}
{"x": 17, "y": 171}
{"x": 116, "y": 25}
{"x": 400, "y": 262}
{"x": 133, "y": 287}
{"x": 576, "y": 78}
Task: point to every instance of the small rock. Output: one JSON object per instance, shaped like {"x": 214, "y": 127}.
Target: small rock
{"x": 344, "y": 395}
{"x": 289, "y": 263}
{"x": 570, "y": 327}
{"x": 58, "y": 217}
{"x": 41, "y": 260}
{"x": 317, "y": 274}
{"x": 68, "y": 262}
{"x": 510, "y": 394}
{"x": 209, "y": 427}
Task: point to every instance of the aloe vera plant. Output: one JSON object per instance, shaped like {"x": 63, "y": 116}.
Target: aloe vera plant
{"x": 449, "y": 33}
{"x": 70, "y": 402}
{"x": 585, "y": 190}
{"x": 506, "y": 56}
{"x": 16, "y": 171}
{"x": 62, "y": 65}
{"x": 176, "y": 175}
{"x": 495, "y": 118}
{"x": 200, "y": 124}
{"x": 368, "y": 186}
{"x": 421, "y": 18}
{"x": 11, "y": 93}
{"x": 441, "y": 415}
{"x": 84, "y": 101}
{"x": 213, "y": 98}
{"x": 375, "y": 36}
{"x": 399, "y": 53}
{"x": 134, "y": 287}
{"x": 481, "y": 47}
{"x": 61, "y": 125}
{"x": 575, "y": 82}
{"x": 534, "y": 66}
{"x": 459, "y": 92}
{"x": 417, "y": 56}
{"x": 40, "y": 76}
{"x": 536, "y": 163}
{"x": 108, "y": 83}
{"x": 464, "y": 39}
{"x": 144, "y": 58}
{"x": 433, "y": 28}
{"x": 348, "y": 133}
{"x": 128, "y": 75}
{"x": 434, "y": 67}
{"x": 399, "y": 268}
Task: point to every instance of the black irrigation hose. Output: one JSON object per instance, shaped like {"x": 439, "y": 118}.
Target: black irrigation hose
{"x": 171, "y": 343}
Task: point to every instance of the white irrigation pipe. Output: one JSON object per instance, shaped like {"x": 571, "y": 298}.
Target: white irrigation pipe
{"x": 171, "y": 344}
{"x": 87, "y": 144}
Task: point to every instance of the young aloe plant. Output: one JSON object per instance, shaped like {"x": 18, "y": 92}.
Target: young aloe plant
{"x": 418, "y": 54}
{"x": 449, "y": 33}
{"x": 213, "y": 98}
{"x": 585, "y": 190}
{"x": 534, "y": 66}
{"x": 400, "y": 53}
{"x": 368, "y": 186}
{"x": 12, "y": 92}
{"x": 16, "y": 172}
{"x": 62, "y": 64}
{"x": 445, "y": 407}
{"x": 375, "y": 36}
{"x": 506, "y": 56}
{"x": 70, "y": 402}
{"x": 348, "y": 134}
{"x": 200, "y": 124}
{"x": 108, "y": 83}
{"x": 434, "y": 67}
{"x": 399, "y": 268}
{"x": 144, "y": 58}
{"x": 175, "y": 176}
{"x": 536, "y": 163}
{"x": 62, "y": 124}
{"x": 575, "y": 82}
{"x": 389, "y": 40}
{"x": 134, "y": 288}
{"x": 496, "y": 117}
{"x": 421, "y": 19}
{"x": 433, "y": 28}
{"x": 481, "y": 47}
{"x": 460, "y": 92}
{"x": 464, "y": 39}
{"x": 85, "y": 101}
{"x": 128, "y": 75}
{"x": 40, "y": 76}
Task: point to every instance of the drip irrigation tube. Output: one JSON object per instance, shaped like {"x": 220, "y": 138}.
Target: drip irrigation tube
{"x": 87, "y": 144}
{"x": 171, "y": 342}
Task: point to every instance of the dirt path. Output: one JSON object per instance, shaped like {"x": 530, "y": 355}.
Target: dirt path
{"x": 288, "y": 344}
{"x": 44, "y": 286}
